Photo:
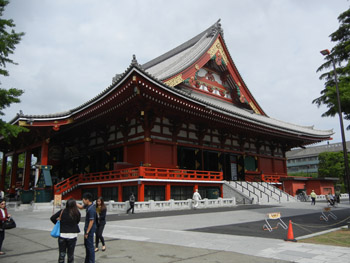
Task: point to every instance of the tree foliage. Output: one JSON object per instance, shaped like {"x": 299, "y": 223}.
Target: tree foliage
{"x": 341, "y": 55}
{"x": 331, "y": 164}
{"x": 8, "y": 41}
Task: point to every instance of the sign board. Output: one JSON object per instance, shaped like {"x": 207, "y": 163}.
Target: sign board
{"x": 274, "y": 215}
{"x": 57, "y": 200}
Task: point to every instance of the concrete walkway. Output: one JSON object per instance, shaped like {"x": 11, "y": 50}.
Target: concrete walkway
{"x": 169, "y": 238}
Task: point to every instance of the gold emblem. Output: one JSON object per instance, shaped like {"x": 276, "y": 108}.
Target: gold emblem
{"x": 174, "y": 81}
{"x": 214, "y": 49}
{"x": 255, "y": 109}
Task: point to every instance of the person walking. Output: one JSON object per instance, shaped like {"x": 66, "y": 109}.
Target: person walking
{"x": 313, "y": 197}
{"x": 70, "y": 218}
{"x": 132, "y": 203}
{"x": 101, "y": 212}
{"x": 337, "y": 195}
{"x": 196, "y": 197}
{"x": 4, "y": 216}
{"x": 331, "y": 199}
{"x": 89, "y": 228}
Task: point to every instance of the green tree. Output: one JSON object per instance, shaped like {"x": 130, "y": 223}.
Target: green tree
{"x": 341, "y": 55}
{"x": 331, "y": 164}
{"x": 8, "y": 41}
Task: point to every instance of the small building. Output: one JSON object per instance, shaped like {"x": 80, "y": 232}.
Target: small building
{"x": 322, "y": 186}
{"x": 305, "y": 160}
{"x": 185, "y": 120}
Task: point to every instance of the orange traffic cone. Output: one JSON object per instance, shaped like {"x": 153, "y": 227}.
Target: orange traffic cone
{"x": 290, "y": 235}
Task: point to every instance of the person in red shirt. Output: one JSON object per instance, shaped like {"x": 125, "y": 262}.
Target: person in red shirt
{"x": 3, "y": 217}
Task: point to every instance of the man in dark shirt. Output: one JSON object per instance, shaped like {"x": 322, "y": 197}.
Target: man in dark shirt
{"x": 131, "y": 202}
{"x": 89, "y": 228}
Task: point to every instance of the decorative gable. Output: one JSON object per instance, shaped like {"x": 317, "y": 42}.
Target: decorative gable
{"x": 215, "y": 74}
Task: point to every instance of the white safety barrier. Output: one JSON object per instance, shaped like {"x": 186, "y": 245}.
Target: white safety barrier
{"x": 323, "y": 197}
{"x": 147, "y": 206}
{"x": 274, "y": 216}
{"x": 170, "y": 205}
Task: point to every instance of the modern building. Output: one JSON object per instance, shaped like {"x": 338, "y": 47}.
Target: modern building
{"x": 305, "y": 160}
{"x": 185, "y": 120}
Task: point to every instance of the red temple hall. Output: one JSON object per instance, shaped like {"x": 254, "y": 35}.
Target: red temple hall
{"x": 182, "y": 121}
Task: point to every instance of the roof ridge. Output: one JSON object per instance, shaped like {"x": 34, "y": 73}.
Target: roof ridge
{"x": 209, "y": 32}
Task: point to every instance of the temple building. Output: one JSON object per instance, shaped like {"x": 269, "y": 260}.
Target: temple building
{"x": 185, "y": 120}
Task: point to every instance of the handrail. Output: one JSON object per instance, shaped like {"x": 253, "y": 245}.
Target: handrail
{"x": 281, "y": 193}
{"x": 268, "y": 189}
{"x": 263, "y": 192}
{"x": 249, "y": 191}
{"x": 136, "y": 172}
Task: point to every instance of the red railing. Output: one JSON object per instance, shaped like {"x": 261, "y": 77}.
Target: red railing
{"x": 253, "y": 177}
{"x": 122, "y": 174}
{"x": 271, "y": 178}
{"x": 136, "y": 172}
{"x": 178, "y": 174}
{"x": 266, "y": 177}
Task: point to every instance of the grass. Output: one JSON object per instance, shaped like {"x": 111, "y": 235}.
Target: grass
{"x": 336, "y": 238}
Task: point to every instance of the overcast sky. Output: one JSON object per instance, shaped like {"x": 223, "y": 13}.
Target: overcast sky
{"x": 72, "y": 48}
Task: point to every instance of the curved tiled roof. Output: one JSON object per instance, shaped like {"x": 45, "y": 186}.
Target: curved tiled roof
{"x": 185, "y": 55}
{"x": 170, "y": 64}
{"x": 243, "y": 114}
{"x": 66, "y": 114}
{"x": 259, "y": 119}
{"x": 210, "y": 33}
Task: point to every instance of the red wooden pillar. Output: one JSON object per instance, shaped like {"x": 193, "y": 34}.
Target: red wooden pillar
{"x": 259, "y": 164}
{"x": 147, "y": 156}
{"x": 3, "y": 172}
{"x": 14, "y": 173}
{"x": 45, "y": 152}
{"x": 120, "y": 193}
{"x": 141, "y": 192}
{"x": 167, "y": 192}
{"x": 99, "y": 191}
{"x": 222, "y": 191}
{"x": 175, "y": 156}
{"x": 147, "y": 140}
{"x": 28, "y": 160}
{"x": 125, "y": 153}
{"x": 285, "y": 166}
{"x": 273, "y": 164}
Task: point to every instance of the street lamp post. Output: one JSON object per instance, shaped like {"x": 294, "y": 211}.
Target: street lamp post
{"x": 345, "y": 151}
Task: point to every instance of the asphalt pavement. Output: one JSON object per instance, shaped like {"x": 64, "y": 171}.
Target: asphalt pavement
{"x": 302, "y": 225}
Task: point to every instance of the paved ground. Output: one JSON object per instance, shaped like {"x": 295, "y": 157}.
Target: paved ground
{"x": 215, "y": 235}
{"x": 25, "y": 245}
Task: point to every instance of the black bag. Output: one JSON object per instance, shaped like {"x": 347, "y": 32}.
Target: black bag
{"x": 9, "y": 224}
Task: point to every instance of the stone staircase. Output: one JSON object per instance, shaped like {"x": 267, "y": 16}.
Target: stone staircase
{"x": 255, "y": 193}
